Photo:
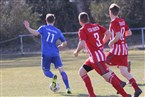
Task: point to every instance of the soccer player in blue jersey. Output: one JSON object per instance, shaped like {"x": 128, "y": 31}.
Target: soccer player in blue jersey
{"x": 50, "y": 51}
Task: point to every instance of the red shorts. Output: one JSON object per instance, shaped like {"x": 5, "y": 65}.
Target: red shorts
{"x": 100, "y": 67}
{"x": 117, "y": 60}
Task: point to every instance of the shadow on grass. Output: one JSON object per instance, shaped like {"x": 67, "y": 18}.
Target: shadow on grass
{"x": 19, "y": 66}
{"x": 17, "y": 56}
{"x": 141, "y": 85}
{"x": 81, "y": 95}
{"x": 15, "y": 60}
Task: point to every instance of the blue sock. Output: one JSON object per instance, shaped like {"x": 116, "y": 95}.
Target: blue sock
{"x": 48, "y": 73}
{"x": 65, "y": 79}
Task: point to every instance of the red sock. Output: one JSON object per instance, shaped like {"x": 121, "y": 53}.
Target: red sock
{"x": 133, "y": 83}
{"x": 88, "y": 84}
{"x": 113, "y": 74}
{"x": 115, "y": 83}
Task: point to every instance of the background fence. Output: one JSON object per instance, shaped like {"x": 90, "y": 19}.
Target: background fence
{"x": 27, "y": 43}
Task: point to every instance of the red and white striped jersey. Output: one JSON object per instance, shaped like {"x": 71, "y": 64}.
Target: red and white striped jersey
{"x": 97, "y": 56}
{"x": 120, "y": 47}
{"x": 93, "y": 34}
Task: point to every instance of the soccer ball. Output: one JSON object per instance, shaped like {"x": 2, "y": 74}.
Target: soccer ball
{"x": 54, "y": 89}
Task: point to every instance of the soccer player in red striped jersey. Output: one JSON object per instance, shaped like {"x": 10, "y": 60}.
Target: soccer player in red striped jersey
{"x": 91, "y": 36}
{"x": 118, "y": 54}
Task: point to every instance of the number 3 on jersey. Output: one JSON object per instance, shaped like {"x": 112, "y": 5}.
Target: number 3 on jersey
{"x": 50, "y": 37}
{"x": 96, "y": 36}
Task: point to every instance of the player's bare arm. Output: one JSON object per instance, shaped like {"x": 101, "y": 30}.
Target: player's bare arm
{"x": 115, "y": 39}
{"x": 128, "y": 33}
{"x": 107, "y": 36}
{"x": 32, "y": 31}
{"x": 80, "y": 46}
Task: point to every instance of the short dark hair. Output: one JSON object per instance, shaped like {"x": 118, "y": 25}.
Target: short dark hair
{"x": 50, "y": 18}
{"x": 83, "y": 17}
{"x": 114, "y": 8}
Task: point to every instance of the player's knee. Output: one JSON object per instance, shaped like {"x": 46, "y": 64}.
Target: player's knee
{"x": 127, "y": 75}
{"x": 107, "y": 76}
{"x": 82, "y": 71}
{"x": 44, "y": 72}
{"x": 124, "y": 71}
{"x": 48, "y": 73}
{"x": 60, "y": 69}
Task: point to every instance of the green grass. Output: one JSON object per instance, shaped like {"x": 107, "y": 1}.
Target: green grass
{"x": 21, "y": 76}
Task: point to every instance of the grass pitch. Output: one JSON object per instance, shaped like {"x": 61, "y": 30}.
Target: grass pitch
{"x": 21, "y": 76}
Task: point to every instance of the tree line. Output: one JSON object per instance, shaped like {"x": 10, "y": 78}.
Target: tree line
{"x": 13, "y": 12}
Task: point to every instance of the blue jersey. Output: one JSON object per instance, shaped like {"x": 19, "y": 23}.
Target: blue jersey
{"x": 49, "y": 36}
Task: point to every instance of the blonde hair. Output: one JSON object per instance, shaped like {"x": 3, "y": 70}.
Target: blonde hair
{"x": 83, "y": 17}
{"x": 114, "y": 8}
{"x": 50, "y": 18}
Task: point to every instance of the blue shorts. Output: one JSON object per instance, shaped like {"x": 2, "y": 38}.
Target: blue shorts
{"x": 46, "y": 62}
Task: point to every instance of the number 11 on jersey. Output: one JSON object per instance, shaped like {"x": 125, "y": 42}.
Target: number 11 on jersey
{"x": 48, "y": 37}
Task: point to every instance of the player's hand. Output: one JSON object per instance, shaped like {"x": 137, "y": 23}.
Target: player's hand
{"x": 26, "y": 23}
{"x": 75, "y": 53}
{"x": 60, "y": 47}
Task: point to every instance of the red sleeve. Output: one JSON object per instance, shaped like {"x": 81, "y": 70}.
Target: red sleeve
{"x": 82, "y": 35}
{"x": 126, "y": 27}
{"x": 103, "y": 29}
{"x": 116, "y": 27}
